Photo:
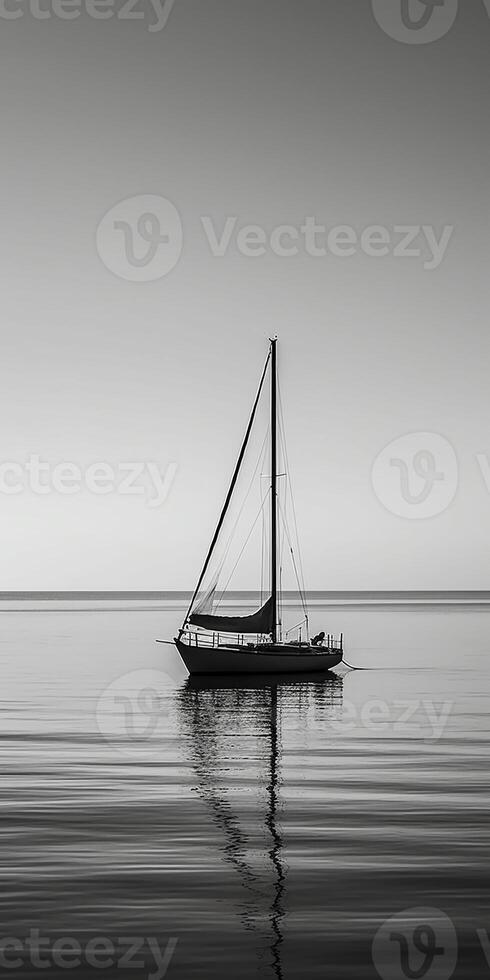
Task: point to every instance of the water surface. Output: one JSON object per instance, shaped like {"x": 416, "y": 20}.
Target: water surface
{"x": 269, "y": 826}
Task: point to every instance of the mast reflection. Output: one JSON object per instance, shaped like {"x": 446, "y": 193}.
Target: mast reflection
{"x": 217, "y": 713}
{"x": 277, "y": 909}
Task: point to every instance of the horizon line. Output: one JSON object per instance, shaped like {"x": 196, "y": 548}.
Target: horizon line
{"x": 232, "y": 593}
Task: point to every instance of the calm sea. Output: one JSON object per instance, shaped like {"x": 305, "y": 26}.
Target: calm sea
{"x": 250, "y": 828}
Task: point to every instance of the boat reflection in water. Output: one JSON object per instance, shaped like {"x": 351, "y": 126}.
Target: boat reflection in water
{"x": 240, "y": 730}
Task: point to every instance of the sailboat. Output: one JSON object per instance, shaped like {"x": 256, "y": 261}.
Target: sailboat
{"x": 210, "y": 643}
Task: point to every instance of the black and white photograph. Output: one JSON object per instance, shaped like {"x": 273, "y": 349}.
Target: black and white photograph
{"x": 245, "y": 490}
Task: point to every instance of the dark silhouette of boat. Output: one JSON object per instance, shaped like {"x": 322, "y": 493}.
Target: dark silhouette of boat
{"x": 219, "y": 644}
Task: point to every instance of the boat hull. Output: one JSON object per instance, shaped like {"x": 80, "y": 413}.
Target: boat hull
{"x": 271, "y": 660}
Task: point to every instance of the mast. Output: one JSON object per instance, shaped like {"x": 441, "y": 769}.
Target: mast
{"x": 274, "y": 487}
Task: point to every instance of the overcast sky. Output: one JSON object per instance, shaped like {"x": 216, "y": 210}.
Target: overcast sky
{"x": 267, "y": 112}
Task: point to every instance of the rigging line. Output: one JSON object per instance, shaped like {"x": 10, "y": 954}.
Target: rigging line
{"x": 284, "y": 515}
{"x": 291, "y": 630}
{"x": 281, "y": 569}
{"x": 232, "y": 485}
{"x": 264, "y": 560}
{"x": 301, "y": 593}
{"x": 259, "y": 464}
{"x": 262, "y": 563}
{"x": 232, "y": 532}
{"x": 243, "y": 549}
{"x": 290, "y": 488}
{"x": 283, "y": 536}
{"x": 291, "y": 549}
{"x": 286, "y": 457}
{"x": 264, "y": 555}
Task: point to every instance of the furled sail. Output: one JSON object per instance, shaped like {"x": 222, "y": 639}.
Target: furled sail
{"x": 259, "y": 622}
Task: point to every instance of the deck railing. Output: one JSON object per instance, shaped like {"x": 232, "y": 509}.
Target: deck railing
{"x": 193, "y": 638}
{"x": 215, "y": 640}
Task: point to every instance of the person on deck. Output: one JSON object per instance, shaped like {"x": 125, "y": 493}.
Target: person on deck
{"x": 318, "y": 639}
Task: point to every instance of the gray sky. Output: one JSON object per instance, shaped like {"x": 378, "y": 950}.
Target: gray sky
{"x": 269, "y": 112}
